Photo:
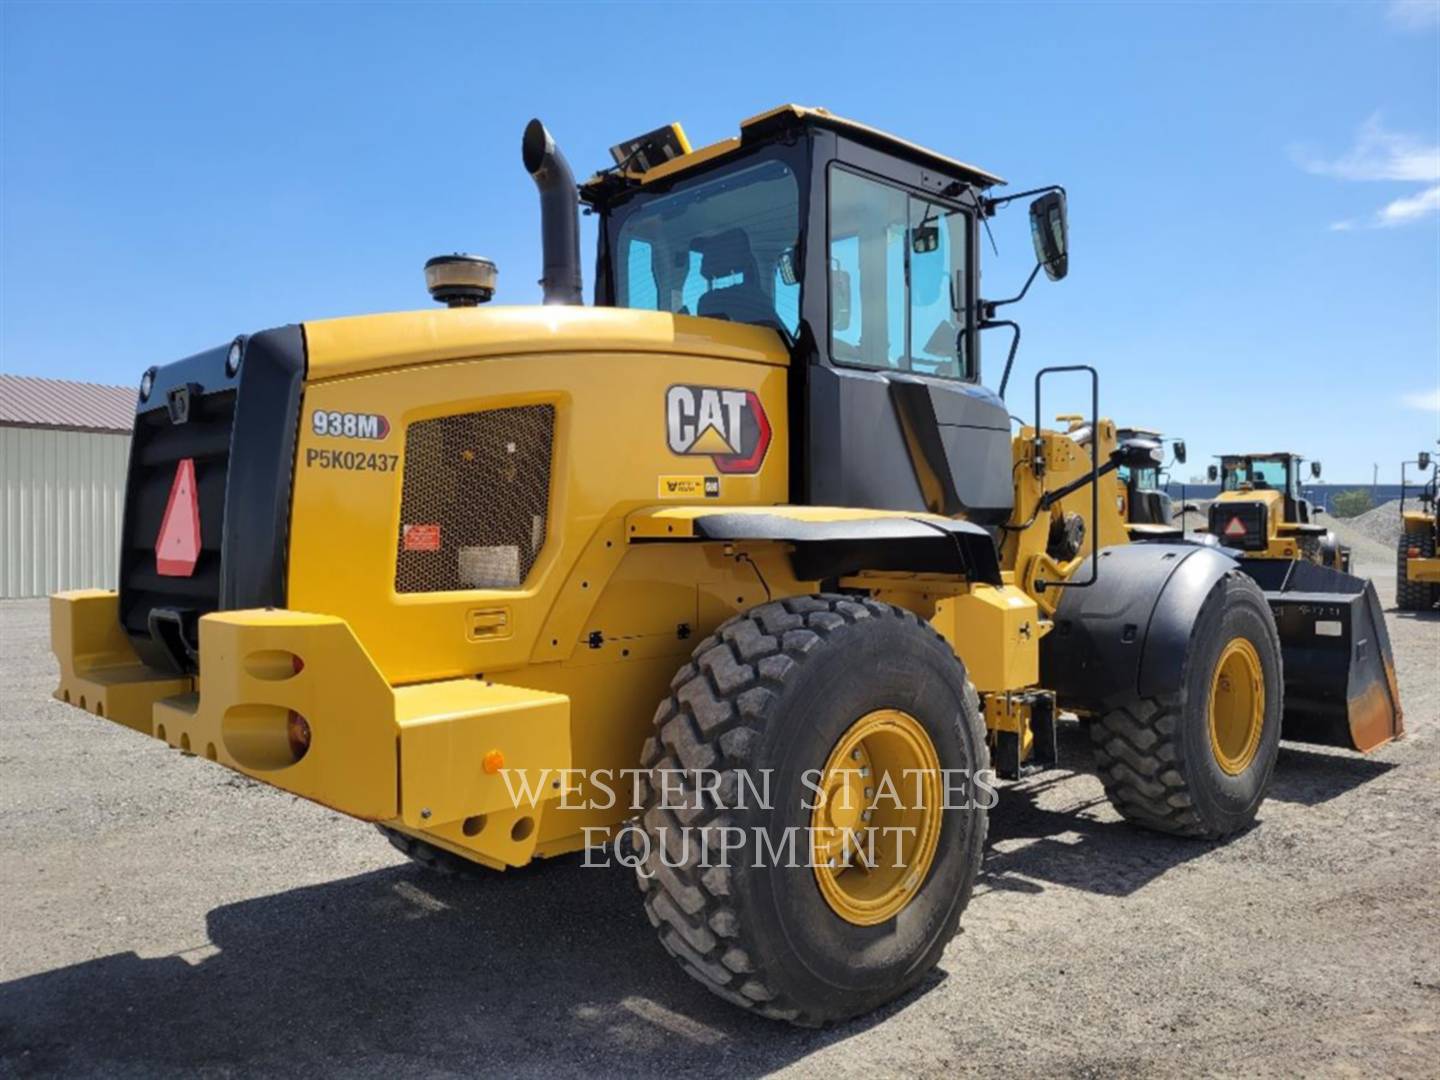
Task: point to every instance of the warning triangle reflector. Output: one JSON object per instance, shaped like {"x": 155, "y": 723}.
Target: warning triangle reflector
{"x": 1235, "y": 528}
{"x": 177, "y": 548}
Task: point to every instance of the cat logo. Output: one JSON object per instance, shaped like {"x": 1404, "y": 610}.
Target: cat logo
{"x": 728, "y": 426}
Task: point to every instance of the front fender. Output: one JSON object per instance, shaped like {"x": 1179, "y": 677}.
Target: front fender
{"x": 1127, "y": 635}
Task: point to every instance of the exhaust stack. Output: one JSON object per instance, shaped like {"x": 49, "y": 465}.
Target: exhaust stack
{"x": 559, "y": 214}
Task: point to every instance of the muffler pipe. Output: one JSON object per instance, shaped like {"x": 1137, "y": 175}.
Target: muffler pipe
{"x": 559, "y": 215}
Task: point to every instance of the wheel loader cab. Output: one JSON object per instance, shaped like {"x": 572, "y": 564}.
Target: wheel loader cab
{"x": 1149, "y": 511}
{"x": 859, "y": 250}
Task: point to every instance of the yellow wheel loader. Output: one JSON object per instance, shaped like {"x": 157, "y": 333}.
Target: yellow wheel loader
{"x": 1261, "y": 512}
{"x": 740, "y": 568}
{"x": 1417, "y": 569}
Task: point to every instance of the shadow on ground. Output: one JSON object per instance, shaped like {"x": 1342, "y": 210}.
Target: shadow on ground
{"x": 552, "y": 971}
{"x": 1081, "y": 849}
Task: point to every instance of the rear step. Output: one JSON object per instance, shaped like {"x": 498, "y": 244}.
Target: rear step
{"x": 1340, "y": 687}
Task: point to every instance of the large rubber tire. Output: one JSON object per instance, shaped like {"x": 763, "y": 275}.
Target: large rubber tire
{"x": 774, "y": 689}
{"x": 434, "y": 859}
{"x": 1154, "y": 754}
{"x": 1413, "y": 595}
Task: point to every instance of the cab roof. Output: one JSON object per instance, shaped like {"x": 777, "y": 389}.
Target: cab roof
{"x": 1264, "y": 454}
{"x": 800, "y": 116}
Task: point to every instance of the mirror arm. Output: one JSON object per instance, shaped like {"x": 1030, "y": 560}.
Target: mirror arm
{"x": 990, "y": 324}
{"x": 989, "y": 206}
{"x": 988, "y": 307}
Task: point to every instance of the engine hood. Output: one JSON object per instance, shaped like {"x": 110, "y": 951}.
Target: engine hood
{"x": 367, "y": 343}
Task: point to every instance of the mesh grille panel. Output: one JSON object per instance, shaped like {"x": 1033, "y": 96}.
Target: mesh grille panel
{"x": 473, "y": 508}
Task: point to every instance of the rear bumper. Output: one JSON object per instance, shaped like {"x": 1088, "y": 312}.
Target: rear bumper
{"x": 459, "y": 762}
{"x": 1422, "y": 569}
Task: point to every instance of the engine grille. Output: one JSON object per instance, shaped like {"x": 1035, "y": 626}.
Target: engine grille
{"x": 474, "y": 507}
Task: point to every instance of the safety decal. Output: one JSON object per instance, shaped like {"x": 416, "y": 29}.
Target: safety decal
{"x": 689, "y": 487}
{"x": 420, "y": 537}
{"x": 726, "y": 425}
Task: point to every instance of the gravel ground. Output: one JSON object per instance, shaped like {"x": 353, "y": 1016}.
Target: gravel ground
{"x": 161, "y": 916}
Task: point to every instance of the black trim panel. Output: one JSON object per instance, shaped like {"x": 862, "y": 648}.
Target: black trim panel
{"x": 257, "y": 496}
{"x": 827, "y": 549}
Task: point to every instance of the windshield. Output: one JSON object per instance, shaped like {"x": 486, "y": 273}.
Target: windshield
{"x": 723, "y": 248}
{"x": 1258, "y": 474}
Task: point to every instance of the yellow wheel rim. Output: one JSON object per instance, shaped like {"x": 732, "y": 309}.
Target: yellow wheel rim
{"x": 876, "y": 821}
{"x": 1237, "y": 707}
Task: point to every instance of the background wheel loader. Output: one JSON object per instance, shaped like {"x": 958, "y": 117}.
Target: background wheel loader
{"x": 1417, "y": 570}
{"x": 1145, "y": 505}
{"x": 1149, "y": 510}
{"x": 743, "y": 553}
{"x": 1261, "y": 513}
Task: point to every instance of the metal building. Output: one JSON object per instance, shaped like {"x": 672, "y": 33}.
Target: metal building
{"x": 63, "y": 453}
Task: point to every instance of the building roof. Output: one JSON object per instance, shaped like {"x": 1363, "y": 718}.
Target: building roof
{"x": 60, "y": 403}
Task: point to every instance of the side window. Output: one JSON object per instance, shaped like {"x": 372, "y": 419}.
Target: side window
{"x": 718, "y": 247}
{"x": 867, "y": 271}
{"x": 897, "y": 279}
{"x": 937, "y": 288}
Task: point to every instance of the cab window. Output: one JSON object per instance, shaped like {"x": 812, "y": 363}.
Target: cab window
{"x": 723, "y": 247}
{"x": 897, "y": 279}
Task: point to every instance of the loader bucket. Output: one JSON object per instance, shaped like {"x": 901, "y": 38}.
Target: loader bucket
{"x": 1340, "y": 687}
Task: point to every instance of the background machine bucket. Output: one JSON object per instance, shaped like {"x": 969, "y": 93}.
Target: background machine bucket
{"x": 1340, "y": 687}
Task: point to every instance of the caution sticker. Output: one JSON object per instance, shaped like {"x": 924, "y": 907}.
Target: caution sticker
{"x": 421, "y": 537}
{"x": 1235, "y": 528}
{"x": 689, "y": 487}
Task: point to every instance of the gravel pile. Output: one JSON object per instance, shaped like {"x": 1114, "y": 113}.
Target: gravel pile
{"x": 1380, "y": 524}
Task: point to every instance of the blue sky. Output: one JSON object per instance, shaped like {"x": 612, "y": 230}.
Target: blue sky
{"x": 1254, "y": 189}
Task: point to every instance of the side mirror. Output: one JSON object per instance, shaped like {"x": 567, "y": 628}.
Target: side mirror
{"x": 1423, "y": 460}
{"x": 1315, "y": 470}
{"x": 1179, "y": 448}
{"x": 1138, "y": 454}
{"x": 924, "y": 239}
{"x": 1213, "y": 473}
{"x": 839, "y": 299}
{"x": 1050, "y": 233}
{"x": 1317, "y": 509}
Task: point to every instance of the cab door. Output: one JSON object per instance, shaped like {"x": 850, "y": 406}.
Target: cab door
{"x": 896, "y": 417}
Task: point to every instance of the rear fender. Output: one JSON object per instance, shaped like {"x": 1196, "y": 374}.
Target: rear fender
{"x": 833, "y": 542}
